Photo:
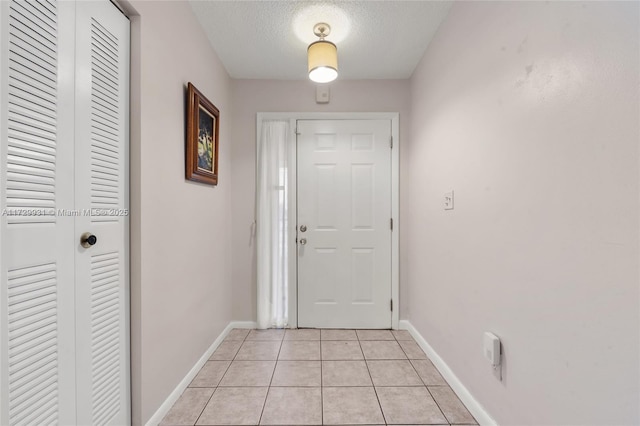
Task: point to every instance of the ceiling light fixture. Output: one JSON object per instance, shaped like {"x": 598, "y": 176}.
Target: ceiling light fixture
{"x": 322, "y": 56}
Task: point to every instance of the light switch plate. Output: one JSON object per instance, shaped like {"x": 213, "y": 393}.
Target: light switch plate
{"x": 448, "y": 200}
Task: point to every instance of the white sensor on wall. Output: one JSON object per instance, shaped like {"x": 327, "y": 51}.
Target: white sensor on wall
{"x": 492, "y": 348}
{"x": 322, "y": 94}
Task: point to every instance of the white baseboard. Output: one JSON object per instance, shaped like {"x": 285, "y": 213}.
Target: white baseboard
{"x": 173, "y": 396}
{"x": 474, "y": 407}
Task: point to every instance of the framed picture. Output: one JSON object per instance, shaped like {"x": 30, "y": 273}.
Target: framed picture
{"x": 203, "y": 120}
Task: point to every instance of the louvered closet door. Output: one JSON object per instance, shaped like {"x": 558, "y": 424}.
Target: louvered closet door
{"x": 63, "y": 154}
{"x": 37, "y": 323}
{"x": 102, "y": 74}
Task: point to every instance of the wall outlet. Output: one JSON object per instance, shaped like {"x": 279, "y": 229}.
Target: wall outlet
{"x": 448, "y": 200}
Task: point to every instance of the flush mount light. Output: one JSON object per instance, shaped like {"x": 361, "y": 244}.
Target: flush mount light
{"x": 322, "y": 56}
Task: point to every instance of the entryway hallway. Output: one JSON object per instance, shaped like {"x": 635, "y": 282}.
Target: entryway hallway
{"x": 316, "y": 377}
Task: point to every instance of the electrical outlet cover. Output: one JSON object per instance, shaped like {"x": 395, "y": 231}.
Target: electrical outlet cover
{"x": 448, "y": 200}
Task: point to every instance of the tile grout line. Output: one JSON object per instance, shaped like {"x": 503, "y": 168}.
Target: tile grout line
{"x": 205, "y": 406}
{"x": 438, "y": 405}
{"x": 264, "y": 404}
{"x": 425, "y": 385}
{"x": 225, "y": 372}
{"x": 372, "y": 384}
{"x": 321, "y": 383}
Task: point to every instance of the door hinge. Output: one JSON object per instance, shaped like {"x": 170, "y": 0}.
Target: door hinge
{"x": 391, "y": 141}
{"x": 391, "y": 223}
{"x": 391, "y": 305}
{"x": 297, "y": 133}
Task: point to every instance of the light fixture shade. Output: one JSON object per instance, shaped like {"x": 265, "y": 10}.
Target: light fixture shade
{"x": 323, "y": 61}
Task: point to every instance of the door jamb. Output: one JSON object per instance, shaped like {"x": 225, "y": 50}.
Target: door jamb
{"x": 395, "y": 195}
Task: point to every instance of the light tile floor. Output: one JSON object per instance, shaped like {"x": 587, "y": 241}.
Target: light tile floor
{"x": 316, "y": 377}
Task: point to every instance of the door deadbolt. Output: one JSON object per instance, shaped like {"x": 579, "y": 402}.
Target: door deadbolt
{"x": 303, "y": 228}
{"x": 88, "y": 239}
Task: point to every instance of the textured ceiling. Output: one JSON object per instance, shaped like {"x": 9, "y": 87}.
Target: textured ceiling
{"x": 268, "y": 39}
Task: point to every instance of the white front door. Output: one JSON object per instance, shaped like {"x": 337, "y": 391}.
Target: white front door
{"x": 344, "y": 223}
{"x": 63, "y": 172}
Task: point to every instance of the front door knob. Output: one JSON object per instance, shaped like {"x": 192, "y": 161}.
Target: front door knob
{"x": 88, "y": 239}
{"x": 303, "y": 241}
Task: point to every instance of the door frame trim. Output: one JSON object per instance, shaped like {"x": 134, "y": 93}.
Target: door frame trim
{"x": 395, "y": 195}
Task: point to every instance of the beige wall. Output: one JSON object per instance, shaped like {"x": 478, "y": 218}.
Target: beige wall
{"x": 253, "y": 96}
{"x": 529, "y": 112}
{"x": 181, "y": 230}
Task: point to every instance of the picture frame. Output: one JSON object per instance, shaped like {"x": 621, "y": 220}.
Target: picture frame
{"x": 203, "y": 122}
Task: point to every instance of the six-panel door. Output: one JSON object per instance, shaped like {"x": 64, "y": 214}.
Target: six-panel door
{"x": 344, "y": 202}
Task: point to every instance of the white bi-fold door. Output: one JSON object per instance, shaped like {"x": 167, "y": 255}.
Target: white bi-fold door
{"x": 344, "y": 223}
{"x": 63, "y": 180}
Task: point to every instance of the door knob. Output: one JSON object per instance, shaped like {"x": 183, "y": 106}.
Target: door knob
{"x": 303, "y": 241}
{"x": 303, "y": 228}
{"x": 88, "y": 239}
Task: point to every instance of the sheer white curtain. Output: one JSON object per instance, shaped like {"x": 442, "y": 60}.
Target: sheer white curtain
{"x": 272, "y": 224}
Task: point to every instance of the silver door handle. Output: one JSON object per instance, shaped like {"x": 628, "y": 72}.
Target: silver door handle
{"x": 303, "y": 241}
{"x": 88, "y": 239}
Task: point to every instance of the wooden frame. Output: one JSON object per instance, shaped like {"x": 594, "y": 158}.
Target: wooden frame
{"x": 203, "y": 121}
